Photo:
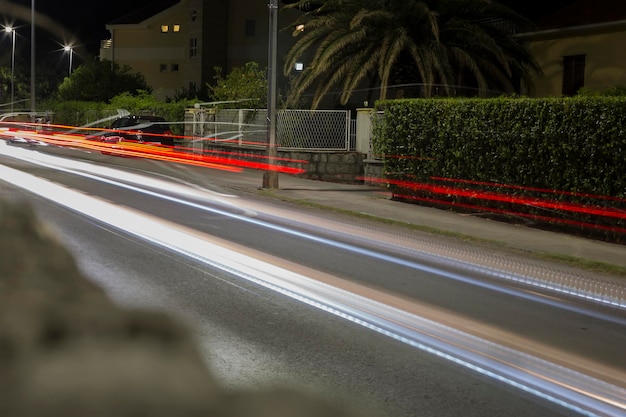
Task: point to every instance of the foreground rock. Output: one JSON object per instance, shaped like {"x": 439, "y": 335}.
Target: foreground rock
{"x": 67, "y": 350}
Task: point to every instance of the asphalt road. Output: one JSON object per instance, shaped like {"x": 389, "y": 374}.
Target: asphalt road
{"x": 255, "y": 336}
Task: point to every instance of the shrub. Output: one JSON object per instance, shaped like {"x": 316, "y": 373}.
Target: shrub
{"x": 553, "y": 161}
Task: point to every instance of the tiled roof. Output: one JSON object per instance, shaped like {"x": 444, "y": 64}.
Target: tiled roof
{"x": 144, "y": 13}
{"x": 584, "y": 12}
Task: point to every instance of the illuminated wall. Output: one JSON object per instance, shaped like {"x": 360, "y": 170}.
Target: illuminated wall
{"x": 605, "y": 62}
{"x": 183, "y": 44}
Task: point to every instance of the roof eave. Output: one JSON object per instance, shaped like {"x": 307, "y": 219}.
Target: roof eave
{"x": 581, "y": 30}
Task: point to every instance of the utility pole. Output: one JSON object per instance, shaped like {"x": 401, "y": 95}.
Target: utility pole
{"x": 11, "y": 30}
{"x": 270, "y": 176}
{"x": 32, "y": 59}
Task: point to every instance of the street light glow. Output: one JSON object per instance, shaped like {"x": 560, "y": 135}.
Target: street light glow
{"x": 9, "y": 29}
{"x": 68, "y": 48}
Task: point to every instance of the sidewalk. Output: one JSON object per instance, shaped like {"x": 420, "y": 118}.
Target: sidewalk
{"x": 376, "y": 202}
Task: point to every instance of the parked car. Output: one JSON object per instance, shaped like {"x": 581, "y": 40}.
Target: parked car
{"x": 141, "y": 129}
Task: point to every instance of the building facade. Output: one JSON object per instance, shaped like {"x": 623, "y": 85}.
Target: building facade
{"x": 580, "y": 46}
{"x": 176, "y": 45}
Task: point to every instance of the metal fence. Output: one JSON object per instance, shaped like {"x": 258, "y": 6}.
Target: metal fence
{"x": 319, "y": 130}
{"x": 313, "y": 129}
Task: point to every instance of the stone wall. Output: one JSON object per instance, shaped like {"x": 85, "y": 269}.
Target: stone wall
{"x": 342, "y": 167}
{"x": 374, "y": 172}
{"x": 67, "y": 351}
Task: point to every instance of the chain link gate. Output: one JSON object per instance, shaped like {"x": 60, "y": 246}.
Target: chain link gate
{"x": 313, "y": 130}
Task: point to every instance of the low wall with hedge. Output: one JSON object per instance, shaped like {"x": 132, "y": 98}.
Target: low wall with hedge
{"x": 554, "y": 162}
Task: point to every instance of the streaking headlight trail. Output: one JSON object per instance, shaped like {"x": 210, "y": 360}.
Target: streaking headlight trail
{"x": 526, "y": 274}
{"x": 384, "y": 313}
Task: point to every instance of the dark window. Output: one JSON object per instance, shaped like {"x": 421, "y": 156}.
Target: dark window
{"x": 174, "y": 67}
{"x": 250, "y": 28}
{"x": 163, "y": 67}
{"x": 573, "y": 74}
{"x": 193, "y": 47}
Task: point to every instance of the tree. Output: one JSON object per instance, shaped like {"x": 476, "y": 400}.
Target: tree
{"x": 248, "y": 83}
{"x": 385, "y": 42}
{"x": 101, "y": 80}
{"x": 21, "y": 91}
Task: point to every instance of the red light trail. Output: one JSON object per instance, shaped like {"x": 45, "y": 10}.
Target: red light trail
{"x": 223, "y": 160}
{"x": 608, "y": 213}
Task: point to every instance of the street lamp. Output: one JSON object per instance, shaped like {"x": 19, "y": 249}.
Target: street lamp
{"x": 32, "y": 58}
{"x": 69, "y": 49}
{"x": 270, "y": 177}
{"x": 10, "y": 30}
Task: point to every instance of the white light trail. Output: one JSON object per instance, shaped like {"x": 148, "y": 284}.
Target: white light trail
{"x": 383, "y": 313}
{"x": 424, "y": 252}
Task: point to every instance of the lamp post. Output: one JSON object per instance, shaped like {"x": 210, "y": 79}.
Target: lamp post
{"x": 32, "y": 58}
{"x": 270, "y": 177}
{"x": 69, "y": 49}
{"x": 11, "y": 30}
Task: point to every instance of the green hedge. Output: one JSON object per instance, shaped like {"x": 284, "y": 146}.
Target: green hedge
{"x": 81, "y": 113}
{"x": 564, "y": 150}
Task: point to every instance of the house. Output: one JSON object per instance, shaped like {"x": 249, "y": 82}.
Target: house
{"x": 176, "y": 44}
{"x": 580, "y": 45}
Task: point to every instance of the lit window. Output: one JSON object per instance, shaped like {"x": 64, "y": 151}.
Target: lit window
{"x": 165, "y": 28}
{"x": 176, "y": 28}
{"x": 299, "y": 66}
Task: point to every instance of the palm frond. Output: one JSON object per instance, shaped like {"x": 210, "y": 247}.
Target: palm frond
{"x": 350, "y": 42}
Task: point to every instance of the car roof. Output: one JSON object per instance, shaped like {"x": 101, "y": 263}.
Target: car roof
{"x": 150, "y": 118}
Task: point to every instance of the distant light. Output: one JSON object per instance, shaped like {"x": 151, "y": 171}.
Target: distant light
{"x": 299, "y": 66}
{"x": 300, "y": 28}
{"x": 67, "y": 48}
{"x": 8, "y": 29}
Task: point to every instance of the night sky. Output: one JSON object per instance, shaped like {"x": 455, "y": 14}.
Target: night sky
{"x": 81, "y": 23}
{"x": 86, "y": 20}
{"x": 77, "y": 22}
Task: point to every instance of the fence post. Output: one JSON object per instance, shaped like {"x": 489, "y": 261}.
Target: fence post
{"x": 199, "y": 136}
{"x": 240, "y": 127}
{"x": 364, "y": 131}
{"x": 348, "y": 117}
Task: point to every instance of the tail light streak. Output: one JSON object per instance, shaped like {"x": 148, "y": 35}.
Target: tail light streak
{"x": 383, "y": 313}
{"x": 229, "y": 161}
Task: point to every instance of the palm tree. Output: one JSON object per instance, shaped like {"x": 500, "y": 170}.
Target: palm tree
{"x": 479, "y": 40}
{"x": 406, "y": 41}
